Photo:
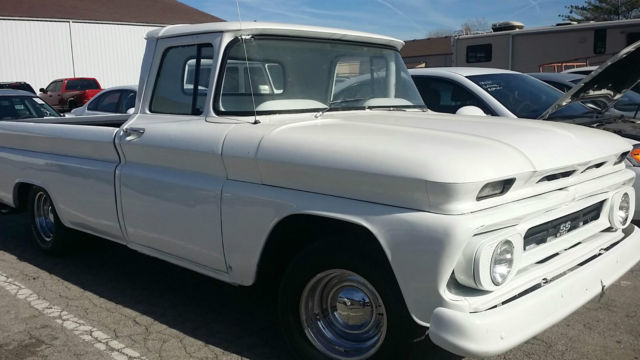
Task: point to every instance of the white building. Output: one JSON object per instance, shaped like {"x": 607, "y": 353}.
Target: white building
{"x": 44, "y": 40}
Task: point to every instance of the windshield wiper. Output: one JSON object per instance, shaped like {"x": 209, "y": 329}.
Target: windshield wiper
{"x": 341, "y": 101}
{"x": 422, "y": 108}
{"x": 332, "y": 104}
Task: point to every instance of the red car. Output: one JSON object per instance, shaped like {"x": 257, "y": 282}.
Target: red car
{"x": 68, "y": 94}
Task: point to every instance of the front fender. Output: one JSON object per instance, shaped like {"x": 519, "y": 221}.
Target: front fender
{"x": 421, "y": 247}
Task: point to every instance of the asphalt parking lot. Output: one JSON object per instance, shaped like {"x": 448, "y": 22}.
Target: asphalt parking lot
{"x": 104, "y": 301}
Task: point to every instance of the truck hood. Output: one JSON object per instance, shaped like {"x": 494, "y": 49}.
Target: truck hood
{"x": 427, "y": 161}
{"x": 607, "y": 83}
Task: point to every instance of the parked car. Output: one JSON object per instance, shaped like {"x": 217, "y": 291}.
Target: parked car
{"x": 359, "y": 212}
{"x": 18, "y": 104}
{"x": 17, "y": 85}
{"x": 115, "y": 100}
{"x": 628, "y": 105}
{"x": 496, "y": 92}
{"x": 68, "y": 94}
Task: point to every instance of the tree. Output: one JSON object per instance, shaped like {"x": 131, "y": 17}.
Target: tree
{"x": 476, "y": 25}
{"x": 603, "y": 10}
{"x": 467, "y": 28}
{"x": 440, "y": 33}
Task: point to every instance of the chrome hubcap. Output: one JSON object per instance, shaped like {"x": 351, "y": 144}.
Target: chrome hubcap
{"x": 44, "y": 218}
{"x": 343, "y": 315}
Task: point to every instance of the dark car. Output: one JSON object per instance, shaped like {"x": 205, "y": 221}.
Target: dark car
{"x": 18, "y": 104}
{"x": 68, "y": 94}
{"x": 628, "y": 104}
{"x": 17, "y": 85}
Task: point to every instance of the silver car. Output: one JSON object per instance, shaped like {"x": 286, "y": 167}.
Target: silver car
{"x": 115, "y": 100}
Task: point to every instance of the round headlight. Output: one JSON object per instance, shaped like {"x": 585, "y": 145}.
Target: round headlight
{"x": 623, "y": 209}
{"x": 502, "y": 262}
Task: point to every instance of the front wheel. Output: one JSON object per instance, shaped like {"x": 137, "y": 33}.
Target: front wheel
{"x": 341, "y": 304}
{"x": 72, "y": 105}
{"x": 49, "y": 234}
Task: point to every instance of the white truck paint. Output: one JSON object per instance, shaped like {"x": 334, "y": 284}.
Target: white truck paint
{"x": 216, "y": 192}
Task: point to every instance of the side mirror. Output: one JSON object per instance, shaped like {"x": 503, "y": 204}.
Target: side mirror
{"x": 131, "y": 111}
{"x": 42, "y": 90}
{"x": 470, "y": 110}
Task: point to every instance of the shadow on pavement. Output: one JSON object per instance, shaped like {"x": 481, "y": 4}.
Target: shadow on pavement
{"x": 234, "y": 319}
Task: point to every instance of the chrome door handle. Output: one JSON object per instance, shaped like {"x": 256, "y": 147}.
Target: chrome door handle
{"x": 132, "y": 133}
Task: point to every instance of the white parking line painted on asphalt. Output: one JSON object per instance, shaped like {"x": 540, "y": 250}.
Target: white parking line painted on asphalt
{"x": 90, "y": 334}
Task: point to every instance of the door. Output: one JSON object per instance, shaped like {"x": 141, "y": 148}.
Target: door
{"x": 53, "y": 94}
{"x": 171, "y": 176}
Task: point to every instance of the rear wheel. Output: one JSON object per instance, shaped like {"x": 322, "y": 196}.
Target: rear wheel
{"x": 341, "y": 303}
{"x": 49, "y": 234}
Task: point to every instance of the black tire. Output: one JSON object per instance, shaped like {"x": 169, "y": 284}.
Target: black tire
{"x": 49, "y": 234}
{"x": 71, "y": 105}
{"x": 370, "y": 264}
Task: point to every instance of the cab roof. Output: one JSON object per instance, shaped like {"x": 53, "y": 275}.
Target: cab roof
{"x": 463, "y": 71}
{"x": 266, "y": 28}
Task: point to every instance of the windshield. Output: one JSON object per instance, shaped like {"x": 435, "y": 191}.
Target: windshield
{"x": 289, "y": 75}
{"x": 24, "y": 107}
{"x": 527, "y": 97}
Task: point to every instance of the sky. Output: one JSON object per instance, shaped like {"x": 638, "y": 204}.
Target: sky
{"x": 403, "y": 19}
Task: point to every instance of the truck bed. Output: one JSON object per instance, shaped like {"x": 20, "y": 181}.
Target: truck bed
{"x": 77, "y": 163}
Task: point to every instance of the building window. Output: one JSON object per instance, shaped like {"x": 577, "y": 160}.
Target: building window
{"x": 600, "y": 41}
{"x": 633, "y": 38}
{"x": 479, "y": 53}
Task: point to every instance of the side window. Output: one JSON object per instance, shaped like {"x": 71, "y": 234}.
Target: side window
{"x": 444, "y": 96}
{"x": 93, "y": 104}
{"x": 231, "y": 84}
{"x": 600, "y": 41}
{"x": 127, "y": 101}
{"x": 276, "y": 75}
{"x": 479, "y": 53}
{"x": 55, "y": 86}
{"x": 265, "y": 79}
{"x": 182, "y": 81}
{"x": 109, "y": 102}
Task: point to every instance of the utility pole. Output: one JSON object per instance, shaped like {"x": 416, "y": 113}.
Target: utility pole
{"x": 619, "y": 10}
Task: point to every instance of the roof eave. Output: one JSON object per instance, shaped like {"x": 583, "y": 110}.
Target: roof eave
{"x": 257, "y": 28}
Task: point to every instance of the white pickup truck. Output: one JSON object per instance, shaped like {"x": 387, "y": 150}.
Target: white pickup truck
{"x": 374, "y": 219}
